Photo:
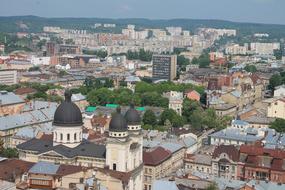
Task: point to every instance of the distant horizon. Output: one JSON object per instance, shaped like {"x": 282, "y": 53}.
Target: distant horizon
{"x": 153, "y": 19}
{"x": 242, "y": 11}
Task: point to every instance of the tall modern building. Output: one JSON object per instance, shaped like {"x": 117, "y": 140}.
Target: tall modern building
{"x": 164, "y": 67}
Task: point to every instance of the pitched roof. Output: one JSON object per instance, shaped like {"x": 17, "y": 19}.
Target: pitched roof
{"x": 44, "y": 168}
{"x": 122, "y": 176}
{"x": 86, "y": 148}
{"x": 230, "y": 150}
{"x": 156, "y": 156}
{"x": 25, "y": 90}
{"x": 9, "y": 98}
{"x": 49, "y": 168}
{"x": 12, "y": 167}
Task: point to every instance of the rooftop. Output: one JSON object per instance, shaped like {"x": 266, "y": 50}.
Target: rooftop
{"x": 9, "y": 98}
{"x": 155, "y": 156}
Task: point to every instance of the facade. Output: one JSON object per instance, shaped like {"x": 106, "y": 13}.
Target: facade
{"x": 279, "y": 91}
{"x": 164, "y": 67}
{"x": 45, "y": 175}
{"x": 157, "y": 164}
{"x": 264, "y": 48}
{"x": 225, "y": 162}
{"x": 198, "y": 162}
{"x": 175, "y": 101}
{"x": 236, "y": 50}
{"x": 225, "y": 109}
{"x": 8, "y": 77}
{"x": 259, "y": 163}
{"x": 276, "y": 109}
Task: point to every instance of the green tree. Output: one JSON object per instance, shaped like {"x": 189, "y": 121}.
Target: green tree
{"x": 278, "y": 125}
{"x": 175, "y": 119}
{"x": 182, "y": 62}
{"x": 278, "y": 54}
{"x": 10, "y": 153}
{"x": 275, "y": 80}
{"x": 250, "y": 68}
{"x": 196, "y": 120}
{"x": 189, "y": 107}
{"x": 149, "y": 118}
{"x": 167, "y": 114}
{"x": 195, "y": 61}
{"x": 204, "y": 61}
{"x": 101, "y": 96}
{"x": 34, "y": 68}
{"x": 212, "y": 186}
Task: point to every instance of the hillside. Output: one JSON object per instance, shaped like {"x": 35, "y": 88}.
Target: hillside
{"x": 35, "y": 24}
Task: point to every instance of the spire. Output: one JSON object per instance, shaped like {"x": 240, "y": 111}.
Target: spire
{"x": 67, "y": 95}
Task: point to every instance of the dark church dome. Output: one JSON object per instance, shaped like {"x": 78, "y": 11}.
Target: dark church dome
{"x": 118, "y": 123}
{"x": 132, "y": 116}
{"x": 67, "y": 114}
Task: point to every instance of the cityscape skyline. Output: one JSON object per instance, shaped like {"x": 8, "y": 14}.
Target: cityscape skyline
{"x": 236, "y": 11}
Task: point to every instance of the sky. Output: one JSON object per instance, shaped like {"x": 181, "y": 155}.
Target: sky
{"x": 259, "y": 11}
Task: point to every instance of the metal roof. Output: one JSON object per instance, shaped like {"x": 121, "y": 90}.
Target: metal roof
{"x": 173, "y": 147}
{"x": 44, "y": 168}
{"x": 8, "y": 98}
{"x": 27, "y": 118}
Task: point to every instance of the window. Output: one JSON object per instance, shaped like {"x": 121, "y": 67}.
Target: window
{"x": 145, "y": 187}
{"x": 114, "y": 167}
{"x": 61, "y": 136}
{"x": 75, "y": 137}
{"x": 68, "y": 137}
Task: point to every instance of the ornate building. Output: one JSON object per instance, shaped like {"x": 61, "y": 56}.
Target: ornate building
{"x": 118, "y": 163}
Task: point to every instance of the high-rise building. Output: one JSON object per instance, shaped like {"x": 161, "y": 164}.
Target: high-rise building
{"x": 164, "y": 67}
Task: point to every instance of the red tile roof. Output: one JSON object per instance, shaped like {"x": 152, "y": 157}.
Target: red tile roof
{"x": 122, "y": 176}
{"x": 230, "y": 150}
{"x": 156, "y": 156}
{"x": 64, "y": 170}
{"x": 25, "y": 90}
{"x": 11, "y": 167}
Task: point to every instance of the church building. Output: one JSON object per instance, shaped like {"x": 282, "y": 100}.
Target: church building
{"x": 118, "y": 164}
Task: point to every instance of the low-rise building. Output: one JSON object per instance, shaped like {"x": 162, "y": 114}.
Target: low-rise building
{"x": 198, "y": 162}
{"x": 157, "y": 164}
{"x": 193, "y": 95}
{"x": 175, "y": 101}
{"x": 225, "y": 162}
{"x": 279, "y": 91}
{"x": 259, "y": 163}
{"x": 10, "y": 103}
{"x": 45, "y": 175}
{"x": 276, "y": 108}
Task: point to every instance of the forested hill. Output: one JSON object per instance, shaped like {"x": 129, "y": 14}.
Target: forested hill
{"x": 35, "y": 24}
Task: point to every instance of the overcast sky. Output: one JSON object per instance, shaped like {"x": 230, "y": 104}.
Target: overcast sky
{"x": 261, "y": 11}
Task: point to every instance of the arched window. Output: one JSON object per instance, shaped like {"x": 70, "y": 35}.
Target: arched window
{"x": 61, "y": 136}
{"x": 68, "y": 137}
{"x": 75, "y": 136}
